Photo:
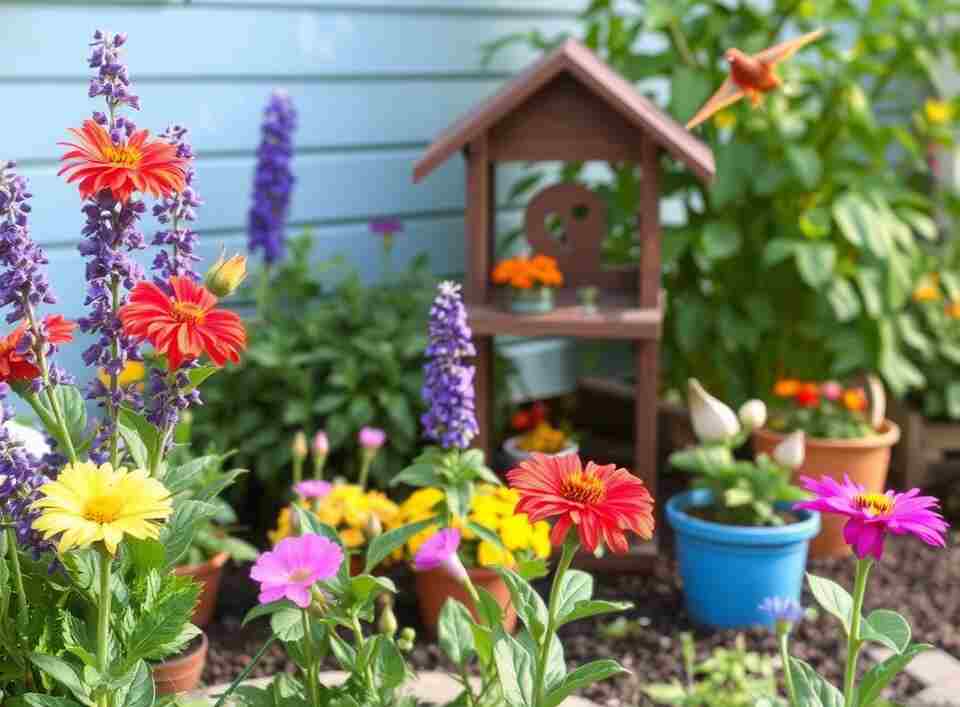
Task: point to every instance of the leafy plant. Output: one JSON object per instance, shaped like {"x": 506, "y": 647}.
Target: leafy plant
{"x": 796, "y": 260}
{"x": 728, "y": 678}
{"x": 825, "y": 410}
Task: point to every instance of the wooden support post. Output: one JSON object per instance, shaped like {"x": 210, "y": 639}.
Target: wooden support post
{"x": 479, "y": 221}
{"x": 649, "y": 220}
{"x": 647, "y": 355}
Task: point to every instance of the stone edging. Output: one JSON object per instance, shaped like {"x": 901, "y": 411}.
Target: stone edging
{"x": 937, "y": 670}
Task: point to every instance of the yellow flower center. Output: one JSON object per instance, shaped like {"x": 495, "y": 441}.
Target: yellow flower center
{"x": 873, "y": 504}
{"x": 583, "y": 487}
{"x": 123, "y": 155}
{"x": 300, "y": 575}
{"x": 188, "y": 312}
{"x": 103, "y": 509}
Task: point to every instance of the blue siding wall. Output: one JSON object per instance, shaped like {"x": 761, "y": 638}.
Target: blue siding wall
{"x": 373, "y": 80}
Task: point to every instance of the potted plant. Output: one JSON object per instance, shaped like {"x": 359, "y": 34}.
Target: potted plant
{"x": 737, "y": 539}
{"x": 846, "y": 434}
{"x": 530, "y": 280}
{"x": 536, "y": 434}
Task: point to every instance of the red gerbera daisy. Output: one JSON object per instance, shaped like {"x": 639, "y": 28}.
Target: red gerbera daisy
{"x": 183, "y": 326}
{"x": 139, "y": 164}
{"x": 602, "y": 501}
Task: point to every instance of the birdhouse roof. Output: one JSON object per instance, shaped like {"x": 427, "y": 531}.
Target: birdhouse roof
{"x": 586, "y": 67}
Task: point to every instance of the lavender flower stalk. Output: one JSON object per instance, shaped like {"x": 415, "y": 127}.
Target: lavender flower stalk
{"x": 448, "y": 380}
{"x": 273, "y": 179}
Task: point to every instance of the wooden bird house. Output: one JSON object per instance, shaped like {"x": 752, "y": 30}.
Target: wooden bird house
{"x": 570, "y": 106}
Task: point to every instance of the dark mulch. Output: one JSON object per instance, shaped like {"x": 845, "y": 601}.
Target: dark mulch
{"x": 919, "y": 582}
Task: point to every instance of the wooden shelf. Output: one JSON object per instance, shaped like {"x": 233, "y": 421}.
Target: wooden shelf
{"x": 617, "y": 317}
{"x": 640, "y": 558}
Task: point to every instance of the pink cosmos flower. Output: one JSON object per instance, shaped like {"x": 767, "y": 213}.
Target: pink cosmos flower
{"x": 831, "y": 390}
{"x": 294, "y": 566}
{"x": 873, "y": 515}
{"x": 440, "y": 550}
{"x": 313, "y": 489}
{"x": 372, "y": 437}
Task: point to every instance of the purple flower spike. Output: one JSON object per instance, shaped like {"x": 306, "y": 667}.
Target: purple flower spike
{"x": 273, "y": 180}
{"x": 448, "y": 381}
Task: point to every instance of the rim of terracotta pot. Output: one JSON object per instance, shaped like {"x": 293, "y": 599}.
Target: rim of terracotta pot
{"x": 888, "y": 436}
{"x": 173, "y": 663}
{"x": 217, "y": 561}
{"x": 512, "y": 447}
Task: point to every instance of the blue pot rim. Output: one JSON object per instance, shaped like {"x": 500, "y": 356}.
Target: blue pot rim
{"x": 719, "y": 533}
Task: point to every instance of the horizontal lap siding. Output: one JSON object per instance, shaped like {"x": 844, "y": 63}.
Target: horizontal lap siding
{"x": 373, "y": 80}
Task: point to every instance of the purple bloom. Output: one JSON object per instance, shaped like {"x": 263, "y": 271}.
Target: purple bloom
{"x": 313, "y": 489}
{"x": 371, "y": 438}
{"x": 448, "y": 381}
{"x": 440, "y": 551}
{"x": 782, "y": 609}
{"x": 112, "y": 80}
{"x": 292, "y": 568}
{"x": 386, "y": 226}
{"x": 273, "y": 180}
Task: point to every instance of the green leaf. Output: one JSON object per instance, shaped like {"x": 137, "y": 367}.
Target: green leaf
{"x": 852, "y": 216}
{"x": 720, "y": 240}
{"x": 575, "y": 587}
{"x": 887, "y": 628}
{"x": 149, "y": 434}
{"x": 528, "y": 603}
{"x": 74, "y": 410}
{"x": 139, "y": 690}
{"x": 383, "y": 545}
{"x": 815, "y": 262}
{"x": 455, "y": 632}
{"x": 584, "y": 676}
{"x": 418, "y": 475}
{"x": 516, "y": 671}
{"x": 389, "y": 669}
{"x": 178, "y": 533}
{"x": 489, "y": 609}
{"x": 952, "y": 399}
{"x": 267, "y": 610}
{"x": 161, "y": 627}
{"x": 134, "y": 446}
{"x": 833, "y": 598}
{"x": 595, "y": 607}
{"x": 365, "y": 587}
{"x": 198, "y": 375}
{"x": 812, "y": 690}
{"x": 779, "y": 249}
{"x": 287, "y": 624}
{"x": 63, "y": 673}
{"x": 805, "y": 164}
{"x": 880, "y": 675}
{"x": 35, "y": 700}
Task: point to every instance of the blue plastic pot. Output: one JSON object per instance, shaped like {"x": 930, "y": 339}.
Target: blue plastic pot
{"x": 728, "y": 570}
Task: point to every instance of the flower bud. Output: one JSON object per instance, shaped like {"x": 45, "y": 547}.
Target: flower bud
{"x": 374, "y": 527}
{"x": 405, "y": 646}
{"x": 753, "y": 414}
{"x": 372, "y": 438}
{"x": 387, "y": 624}
{"x": 225, "y": 276}
{"x": 321, "y": 445}
{"x": 299, "y": 445}
{"x": 712, "y": 420}
{"x": 790, "y": 451}
{"x": 408, "y": 634}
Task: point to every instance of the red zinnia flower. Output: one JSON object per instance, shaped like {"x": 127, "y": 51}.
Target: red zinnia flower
{"x": 136, "y": 165}
{"x": 13, "y": 366}
{"x": 808, "y": 395}
{"x": 602, "y": 501}
{"x": 183, "y": 326}
{"x": 59, "y": 330}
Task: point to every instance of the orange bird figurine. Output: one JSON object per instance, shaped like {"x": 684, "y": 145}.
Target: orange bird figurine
{"x": 751, "y": 76}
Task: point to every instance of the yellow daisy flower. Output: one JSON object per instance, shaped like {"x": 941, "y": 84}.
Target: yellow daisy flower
{"x": 352, "y": 537}
{"x": 490, "y": 555}
{"x": 540, "y": 542}
{"x": 516, "y": 532}
{"x": 89, "y": 503}
{"x": 132, "y": 372}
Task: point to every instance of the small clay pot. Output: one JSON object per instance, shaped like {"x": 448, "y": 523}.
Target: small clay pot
{"x": 864, "y": 459}
{"x": 182, "y": 672}
{"x": 436, "y": 586}
{"x": 511, "y": 447}
{"x": 207, "y": 575}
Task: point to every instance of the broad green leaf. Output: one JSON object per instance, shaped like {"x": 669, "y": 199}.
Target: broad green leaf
{"x": 815, "y": 262}
{"x": 267, "y": 610}
{"x": 576, "y": 587}
{"x": 851, "y": 214}
{"x": 805, "y": 163}
{"x": 595, "y": 607}
{"x": 833, "y": 598}
{"x": 139, "y": 691}
{"x": 455, "y": 631}
{"x": 345, "y": 654}
{"x": 389, "y": 668}
{"x": 880, "y": 675}
{"x": 489, "y": 609}
{"x": 528, "y": 603}
{"x": 720, "y": 240}
{"x": 35, "y": 700}
{"x": 887, "y": 628}
{"x": 779, "y": 249}
{"x": 134, "y": 446}
{"x": 516, "y": 670}
{"x": 287, "y": 624}
{"x": 417, "y": 475}
{"x": 365, "y": 587}
{"x": 583, "y": 676}
{"x": 199, "y": 375}
{"x": 812, "y": 690}
{"x": 178, "y": 533}
{"x": 63, "y": 673}
{"x": 383, "y": 546}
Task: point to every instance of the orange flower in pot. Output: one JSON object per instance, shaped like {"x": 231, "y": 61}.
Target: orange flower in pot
{"x": 531, "y": 281}
{"x": 846, "y": 434}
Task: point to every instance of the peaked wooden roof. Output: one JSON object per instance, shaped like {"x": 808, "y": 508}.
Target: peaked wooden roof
{"x": 586, "y": 67}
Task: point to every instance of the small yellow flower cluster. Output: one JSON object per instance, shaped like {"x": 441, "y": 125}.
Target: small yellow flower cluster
{"x": 348, "y": 509}
{"x": 938, "y": 112}
{"x": 928, "y": 288}
{"x": 543, "y": 438}
{"x": 492, "y": 507}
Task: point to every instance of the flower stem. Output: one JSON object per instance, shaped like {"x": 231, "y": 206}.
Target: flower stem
{"x": 783, "y": 638}
{"x": 17, "y": 573}
{"x": 103, "y": 623}
{"x": 853, "y": 640}
{"x": 112, "y": 408}
{"x": 313, "y": 689}
{"x": 569, "y": 551}
{"x": 366, "y": 459}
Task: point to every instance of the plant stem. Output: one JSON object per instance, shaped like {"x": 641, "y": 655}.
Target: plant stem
{"x": 114, "y": 410}
{"x": 246, "y": 671}
{"x": 366, "y": 460}
{"x": 297, "y": 470}
{"x": 103, "y": 623}
{"x": 17, "y": 573}
{"x": 312, "y": 687}
{"x": 783, "y": 636}
{"x": 569, "y": 551}
{"x": 358, "y": 642}
{"x": 853, "y": 640}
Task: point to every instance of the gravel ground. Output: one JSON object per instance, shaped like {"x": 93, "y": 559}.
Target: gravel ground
{"x": 919, "y": 582}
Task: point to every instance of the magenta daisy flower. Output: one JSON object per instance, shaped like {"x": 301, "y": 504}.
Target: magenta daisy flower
{"x": 873, "y": 515}
{"x": 294, "y": 566}
{"x": 313, "y": 489}
{"x": 440, "y": 551}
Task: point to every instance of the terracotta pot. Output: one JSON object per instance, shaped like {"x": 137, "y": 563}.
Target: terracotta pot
{"x": 865, "y": 460}
{"x": 181, "y": 673}
{"x": 436, "y": 586}
{"x": 207, "y": 575}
